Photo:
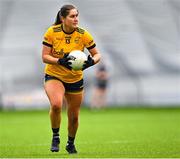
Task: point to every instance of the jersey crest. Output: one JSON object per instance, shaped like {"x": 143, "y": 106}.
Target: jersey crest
{"x": 67, "y": 39}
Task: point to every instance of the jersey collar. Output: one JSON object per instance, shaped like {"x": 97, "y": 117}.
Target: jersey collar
{"x": 66, "y": 32}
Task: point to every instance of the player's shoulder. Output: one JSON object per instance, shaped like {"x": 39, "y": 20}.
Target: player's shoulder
{"x": 56, "y": 28}
{"x": 80, "y": 30}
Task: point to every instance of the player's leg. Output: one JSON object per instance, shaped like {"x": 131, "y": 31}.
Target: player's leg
{"x": 55, "y": 92}
{"x": 74, "y": 101}
{"x": 102, "y": 97}
{"x": 95, "y": 99}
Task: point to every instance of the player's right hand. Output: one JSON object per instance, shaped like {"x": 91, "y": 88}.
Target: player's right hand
{"x": 65, "y": 61}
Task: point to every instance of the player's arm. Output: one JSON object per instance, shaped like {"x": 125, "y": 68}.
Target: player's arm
{"x": 47, "y": 57}
{"x": 92, "y": 59}
{"x": 96, "y": 56}
{"x": 47, "y": 47}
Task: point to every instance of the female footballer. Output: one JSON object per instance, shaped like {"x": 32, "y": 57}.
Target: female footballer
{"x": 61, "y": 81}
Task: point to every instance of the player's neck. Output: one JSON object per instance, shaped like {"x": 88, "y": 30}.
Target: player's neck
{"x": 67, "y": 29}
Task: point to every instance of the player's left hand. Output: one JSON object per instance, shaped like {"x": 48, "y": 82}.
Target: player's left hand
{"x": 88, "y": 63}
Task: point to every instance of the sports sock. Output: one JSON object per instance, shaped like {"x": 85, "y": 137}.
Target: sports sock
{"x": 55, "y": 131}
{"x": 71, "y": 140}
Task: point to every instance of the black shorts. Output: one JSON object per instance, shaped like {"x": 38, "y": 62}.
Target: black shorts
{"x": 102, "y": 84}
{"x": 69, "y": 87}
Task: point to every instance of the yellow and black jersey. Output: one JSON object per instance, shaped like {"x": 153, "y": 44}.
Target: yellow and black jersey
{"x": 63, "y": 43}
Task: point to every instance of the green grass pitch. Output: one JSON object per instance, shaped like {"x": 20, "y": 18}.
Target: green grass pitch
{"x": 107, "y": 133}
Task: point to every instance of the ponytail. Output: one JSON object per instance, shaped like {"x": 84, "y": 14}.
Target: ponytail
{"x": 58, "y": 19}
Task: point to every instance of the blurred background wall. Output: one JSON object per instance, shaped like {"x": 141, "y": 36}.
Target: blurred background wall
{"x": 139, "y": 41}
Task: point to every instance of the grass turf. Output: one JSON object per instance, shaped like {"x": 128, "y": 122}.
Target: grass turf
{"x": 107, "y": 133}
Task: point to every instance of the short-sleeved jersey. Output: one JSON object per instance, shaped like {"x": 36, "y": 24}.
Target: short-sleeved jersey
{"x": 63, "y": 43}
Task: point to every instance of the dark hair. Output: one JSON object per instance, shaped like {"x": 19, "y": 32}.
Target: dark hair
{"x": 64, "y": 11}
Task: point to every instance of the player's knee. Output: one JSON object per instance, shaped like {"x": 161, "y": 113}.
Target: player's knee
{"x": 56, "y": 107}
